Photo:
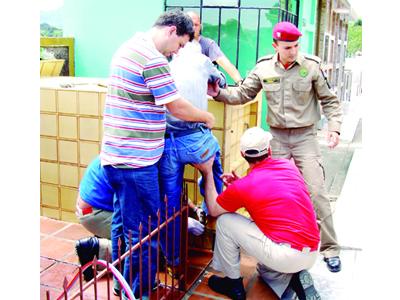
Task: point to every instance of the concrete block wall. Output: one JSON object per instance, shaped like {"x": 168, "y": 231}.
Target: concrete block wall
{"x": 71, "y": 133}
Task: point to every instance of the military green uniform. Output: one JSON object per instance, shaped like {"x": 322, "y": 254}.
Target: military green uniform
{"x": 294, "y": 97}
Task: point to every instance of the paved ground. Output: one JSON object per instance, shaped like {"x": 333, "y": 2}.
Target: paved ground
{"x": 342, "y": 170}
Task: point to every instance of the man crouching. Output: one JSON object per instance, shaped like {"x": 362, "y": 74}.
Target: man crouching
{"x": 282, "y": 233}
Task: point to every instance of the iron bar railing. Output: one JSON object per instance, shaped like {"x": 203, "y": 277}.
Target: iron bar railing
{"x": 178, "y": 274}
{"x": 284, "y": 14}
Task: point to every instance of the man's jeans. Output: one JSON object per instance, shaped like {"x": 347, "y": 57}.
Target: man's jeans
{"x": 193, "y": 148}
{"x": 137, "y": 198}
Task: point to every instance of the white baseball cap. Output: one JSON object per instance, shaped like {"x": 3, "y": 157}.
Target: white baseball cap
{"x": 255, "y": 142}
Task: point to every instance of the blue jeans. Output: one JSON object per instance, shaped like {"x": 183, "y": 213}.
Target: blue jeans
{"x": 137, "y": 198}
{"x": 193, "y": 148}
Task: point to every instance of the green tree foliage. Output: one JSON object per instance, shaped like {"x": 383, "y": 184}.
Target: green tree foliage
{"x": 50, "y": 31}
{"x": 354, "y": 42}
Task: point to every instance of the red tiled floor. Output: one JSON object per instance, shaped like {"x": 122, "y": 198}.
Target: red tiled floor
{"x": 56, "y": 248}
{"x": 58, "y": 259}
{"x": 260, "y": 291}
{"x": 73, "y": 232}
{"x": 54, "y": 276}
{"x": 53, "y": 293}
{"x": 199, "y": 258}
{"x": 72, "y": 258}
{"x": 49, "y": 226}
{"x": 45, "y": 263}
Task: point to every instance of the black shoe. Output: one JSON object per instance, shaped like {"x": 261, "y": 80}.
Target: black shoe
{"x": 116, "y": 292}
{"x": 233, "y": 288}
{"x": 303, "y": 286}
{"x": 87, "y": 249}
{"x": 333, "y": 263}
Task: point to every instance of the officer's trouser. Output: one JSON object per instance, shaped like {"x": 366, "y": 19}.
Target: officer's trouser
{"x": 301, "y": 144}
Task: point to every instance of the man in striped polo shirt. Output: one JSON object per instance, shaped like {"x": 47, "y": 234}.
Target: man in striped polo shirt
{"x": 140, "y": 89}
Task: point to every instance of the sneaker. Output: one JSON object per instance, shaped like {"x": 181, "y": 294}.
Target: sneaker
{"x": 233, "y": 288}
{"x": 333, "y": 263}
{"x": 87, "y": 249}
{"x": 303, "y": 285}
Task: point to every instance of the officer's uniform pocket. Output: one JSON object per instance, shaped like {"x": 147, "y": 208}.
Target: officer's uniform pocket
{"x": 272, "y": 91}
{"x": 301, "y": 91}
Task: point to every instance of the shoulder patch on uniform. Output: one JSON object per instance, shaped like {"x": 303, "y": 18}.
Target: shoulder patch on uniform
{"x": 267, "y": 57}
{"x": 313, "y": 58}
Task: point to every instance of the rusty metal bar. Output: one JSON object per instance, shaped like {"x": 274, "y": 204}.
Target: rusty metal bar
{"x": 108, "y": 274}
{"x": 140, "y": 262}
{"x": 120, "y": 263}
{"x": 95, "y": 277}
{"x": 65, "y": 285}
{"x": 80, "y": 283}
{"x": 130, "y": 258}
{"x": 173, "y": 267}
{"x": 158, "y": 253}
{"x": 166, "y": 248}
{"x": 183, "y": 212}
{"x": 149, "y": 258}
{"x": 184, "y": 240}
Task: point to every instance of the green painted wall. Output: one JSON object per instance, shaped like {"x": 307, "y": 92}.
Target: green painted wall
{"x": 100, "y": 27}
{"x": 308, "y": 25}
{"x": 227, "y": 36}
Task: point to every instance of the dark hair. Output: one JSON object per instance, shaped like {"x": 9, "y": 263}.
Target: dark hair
{"x": 182, "y": 21}
{"x": 253, "y": 160}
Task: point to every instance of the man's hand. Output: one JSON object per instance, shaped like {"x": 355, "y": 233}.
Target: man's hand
{"x": 229, "y": 178}
{"x": 201, "y": 215}
{"x": 213, "y": 88}
{"x": 333, "y": 139}
{"x": 195, "y": 227}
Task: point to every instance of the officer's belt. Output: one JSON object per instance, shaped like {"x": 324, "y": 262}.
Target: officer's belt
{"x": 291, "y": 128}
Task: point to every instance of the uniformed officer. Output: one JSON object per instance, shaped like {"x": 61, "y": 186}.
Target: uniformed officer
{"x": 296, "y": 88}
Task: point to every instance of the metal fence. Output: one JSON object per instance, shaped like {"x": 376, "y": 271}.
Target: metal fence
{"x": 250, "y": 24}
{"x": 171, "y": 281}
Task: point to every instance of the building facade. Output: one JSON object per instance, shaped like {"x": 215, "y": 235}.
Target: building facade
{"x": 331, "y": 44}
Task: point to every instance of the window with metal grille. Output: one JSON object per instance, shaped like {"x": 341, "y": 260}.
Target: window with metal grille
{"x": 242, "y": 28}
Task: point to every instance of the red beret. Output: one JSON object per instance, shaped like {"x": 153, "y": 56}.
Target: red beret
{"x": 286, "y": 31}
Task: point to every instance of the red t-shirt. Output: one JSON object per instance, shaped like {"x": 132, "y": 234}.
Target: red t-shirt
{"x": 275, "y": 195}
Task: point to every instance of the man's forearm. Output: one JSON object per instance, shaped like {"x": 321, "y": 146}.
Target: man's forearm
{"x": 210, "y": 194}
{"x": 241, "y": 94}
{"x": 184, "y": 110}
{"x": 229, "y": 68}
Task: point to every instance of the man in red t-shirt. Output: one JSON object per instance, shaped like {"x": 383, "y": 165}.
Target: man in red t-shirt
{"x": 282, "y": 233}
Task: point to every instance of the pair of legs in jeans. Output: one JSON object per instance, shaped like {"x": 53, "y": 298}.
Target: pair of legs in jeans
{"x": 194, "y": 148}
{"x": 137, "y": 198}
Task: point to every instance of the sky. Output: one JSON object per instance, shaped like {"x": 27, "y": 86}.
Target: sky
{"x": 357, "y": 6}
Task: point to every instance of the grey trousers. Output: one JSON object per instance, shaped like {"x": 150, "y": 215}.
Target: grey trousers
{"x": 99, "y": 224}
{"x": 301, "y": 144}
{"x": 277, "y": 262}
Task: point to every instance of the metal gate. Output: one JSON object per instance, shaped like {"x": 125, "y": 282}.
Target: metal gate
{"x": 171, "y": 281}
